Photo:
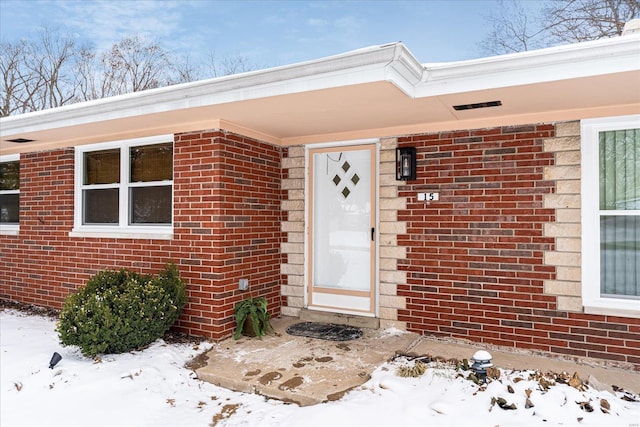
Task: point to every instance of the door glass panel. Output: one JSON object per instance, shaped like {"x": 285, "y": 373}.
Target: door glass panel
{"x": 342, "y": 220}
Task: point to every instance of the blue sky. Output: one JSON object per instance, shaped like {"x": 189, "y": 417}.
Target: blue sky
{"x": 267, "y": 33}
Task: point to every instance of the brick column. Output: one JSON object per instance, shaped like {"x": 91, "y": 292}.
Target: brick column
{"x": 293, "y": 225}
{"x": 566, "y": 230}
{"x": 389, "y": 274}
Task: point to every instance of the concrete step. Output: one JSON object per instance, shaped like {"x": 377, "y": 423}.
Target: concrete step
{"x": 301, "y": 370}
{"x": 307, "y": 315}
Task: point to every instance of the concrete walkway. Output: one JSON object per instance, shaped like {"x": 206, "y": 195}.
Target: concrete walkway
{"x": 309, "y": 371}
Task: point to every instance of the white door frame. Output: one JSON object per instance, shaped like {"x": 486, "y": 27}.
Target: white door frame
{"x": 309, "y": 218}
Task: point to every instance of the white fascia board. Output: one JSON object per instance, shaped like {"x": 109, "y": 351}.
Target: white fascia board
{"x": 606, "y": 56}
{"x": 405, "y": 72}
{"x": 389, "y": 62}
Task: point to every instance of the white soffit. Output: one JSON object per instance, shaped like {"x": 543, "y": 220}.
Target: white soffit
{"x": 391, "y": 62}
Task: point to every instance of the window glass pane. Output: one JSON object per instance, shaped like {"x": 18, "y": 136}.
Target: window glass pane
{"x": 150, "y": 205}
{"x": 152, "y": 162}
{"x": 102, "y": 167}
{"x": 10, "y": 175}
{"x": 10, "y": 208}
{"x": 620, "y": 256}
{"x": 619, "y": 153}
{"x": 101, "y": 206}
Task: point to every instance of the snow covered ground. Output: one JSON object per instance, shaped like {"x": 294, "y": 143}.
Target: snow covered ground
{"x": 152, "y": 388}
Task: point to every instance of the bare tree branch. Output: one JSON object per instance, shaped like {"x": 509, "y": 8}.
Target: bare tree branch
{"x": 51, "y": 70}
{"x": 582, "y": 20}
{"x": 227, "y": 65}
{"x": 514, "y": 29}
{"x": 132, "y": 66}
{"x": 519, "y": 26}
{"x": 11, "y": 56}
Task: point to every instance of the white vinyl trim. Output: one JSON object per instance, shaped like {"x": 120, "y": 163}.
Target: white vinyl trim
{"x": 392, "y": 63}
{"x": 122, "y": 229}
{"x": 9, "y": 229}
{"x": 592, "y": 301}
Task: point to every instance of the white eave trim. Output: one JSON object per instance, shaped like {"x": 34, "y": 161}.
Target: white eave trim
{"x": 605, "y": 56}
{"x": 391, "y": 62}
{"x": 404, "y": 71}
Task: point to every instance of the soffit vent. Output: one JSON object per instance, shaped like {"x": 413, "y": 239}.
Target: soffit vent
{"x": 477, "y": 105}
{"x": 20, "y": 140}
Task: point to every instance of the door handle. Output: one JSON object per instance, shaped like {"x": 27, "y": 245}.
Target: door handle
{"x": 373, "y": 233}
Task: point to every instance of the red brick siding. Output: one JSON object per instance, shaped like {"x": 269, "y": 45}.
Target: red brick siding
{"x": 474, "y": 259}
{"x": 475, "y": 267}
{"x": 37, "y": 266}
{"x": 227, "y": 213}
{"x": 226, "y": 227}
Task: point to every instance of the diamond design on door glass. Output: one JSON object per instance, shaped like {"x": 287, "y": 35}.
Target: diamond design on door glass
{"x": 344, "y": 178}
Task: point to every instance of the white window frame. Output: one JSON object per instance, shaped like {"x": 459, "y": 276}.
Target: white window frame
{"x": 592, "y": 301}
{"x": 123, "y": 229}
{"x": 6, "y": 228}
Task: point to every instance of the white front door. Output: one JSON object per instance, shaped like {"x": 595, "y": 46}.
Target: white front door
{"x": 341, "y": 240}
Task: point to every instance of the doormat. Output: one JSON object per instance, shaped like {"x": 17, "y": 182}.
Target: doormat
{"x": 325, "y": 331}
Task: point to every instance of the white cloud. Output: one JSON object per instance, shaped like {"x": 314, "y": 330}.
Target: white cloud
{"x": 349, "y": 23}
{"x": 315, "y": 22}
{"x": 107, "y": 22}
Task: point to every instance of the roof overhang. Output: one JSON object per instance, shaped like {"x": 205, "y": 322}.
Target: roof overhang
{"x": 373, "y": 92}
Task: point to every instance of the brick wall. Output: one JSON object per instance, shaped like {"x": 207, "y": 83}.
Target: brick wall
{"x": 37, "y": 266}
{"x": 496, "y": 260}
{"x": 483, "y": 262}
{"x": 226, "y": 226}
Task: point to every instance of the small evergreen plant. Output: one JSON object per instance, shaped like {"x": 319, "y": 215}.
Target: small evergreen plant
{"x": 119, "y": 311}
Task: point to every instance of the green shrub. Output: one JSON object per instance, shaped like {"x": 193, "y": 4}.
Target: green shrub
{"x": 119, "y": 311}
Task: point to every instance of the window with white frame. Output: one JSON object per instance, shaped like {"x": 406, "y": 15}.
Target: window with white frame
{"x": 9, "y": 194}
{"x": 611, "y": 215}
{"x": 125, "y": 187}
